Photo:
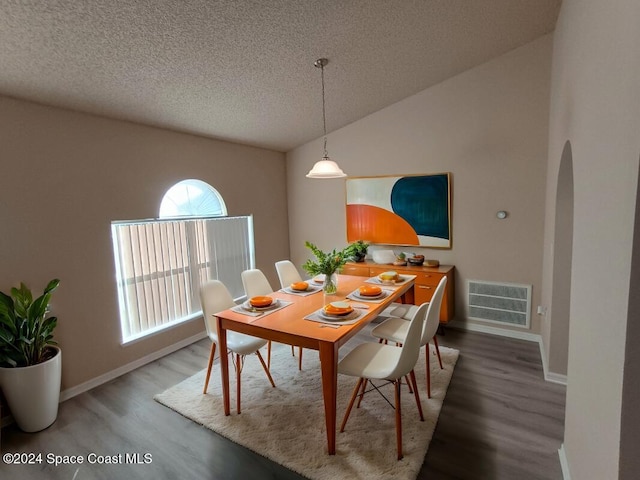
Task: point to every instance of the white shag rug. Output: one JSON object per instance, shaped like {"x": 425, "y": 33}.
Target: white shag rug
{"x": 286, "y": 423}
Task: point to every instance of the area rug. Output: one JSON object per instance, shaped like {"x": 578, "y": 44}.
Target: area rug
{"x": 286, "y": 423}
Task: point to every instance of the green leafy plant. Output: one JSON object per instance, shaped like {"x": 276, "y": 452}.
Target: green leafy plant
{"x": 357, "y": 250}
{"x": 326, "y": 263}
{"x": 25, "y": 334}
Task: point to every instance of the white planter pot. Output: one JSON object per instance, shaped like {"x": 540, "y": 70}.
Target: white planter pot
{"x": 33, "y": 393}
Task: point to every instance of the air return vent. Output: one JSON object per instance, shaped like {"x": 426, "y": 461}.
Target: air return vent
{"x": 504, "y": 303}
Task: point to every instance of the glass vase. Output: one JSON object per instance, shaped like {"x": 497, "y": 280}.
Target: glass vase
{"x": 330, "y": 288}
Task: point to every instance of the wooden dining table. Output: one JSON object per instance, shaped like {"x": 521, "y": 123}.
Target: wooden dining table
{"x": 288, "y": 325}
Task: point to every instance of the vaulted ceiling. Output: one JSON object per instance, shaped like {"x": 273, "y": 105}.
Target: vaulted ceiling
{"x": 242, "y": 70}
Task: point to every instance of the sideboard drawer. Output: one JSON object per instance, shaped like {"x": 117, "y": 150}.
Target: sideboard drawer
{"x": 432, "y": 279}
{"x": 423, "y": 293}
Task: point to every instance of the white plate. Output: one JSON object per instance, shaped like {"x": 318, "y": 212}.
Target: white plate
{"x": 338, "y": 318}
{"x": 250, "y": 308}
{"x": 402, "y": 279}
{"x": 370, "y": 297}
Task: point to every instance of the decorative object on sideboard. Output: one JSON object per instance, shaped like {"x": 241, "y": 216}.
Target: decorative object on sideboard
{"x": 357, "y": 250}
{"x": 416, "y": 260}
{"x": 30, "y": 360}
{"x": 325, "y": 168}
{"x": 432, "y": 263}
{"x": 400, "y": 259}
{"x": 386, "y": 257}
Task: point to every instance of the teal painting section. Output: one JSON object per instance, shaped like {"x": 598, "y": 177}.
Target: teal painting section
{"x": 423, "y": 201}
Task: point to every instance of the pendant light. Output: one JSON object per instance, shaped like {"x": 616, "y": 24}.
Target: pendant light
{"x": 325, "y": 168}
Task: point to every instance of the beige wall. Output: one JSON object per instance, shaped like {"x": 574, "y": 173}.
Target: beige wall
{"x": 66, "y": 176}
{"x": 595, "y": 106}
{"x": 488, "y": 127}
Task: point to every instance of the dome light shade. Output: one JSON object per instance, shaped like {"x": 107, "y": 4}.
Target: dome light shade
{"x": 326, "y": 168}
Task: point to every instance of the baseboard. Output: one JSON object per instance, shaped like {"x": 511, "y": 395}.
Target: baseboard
{"x": 475, "y": 327}
{"x": 106, "y": 377}
{"x": 528, "y": 336}
{"x": 564, "y": 464}
{"x": 550, "y": 376}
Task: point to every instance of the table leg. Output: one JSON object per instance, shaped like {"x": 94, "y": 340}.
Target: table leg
{"x": 329, "y": 365}
{"x": 224, "y": 366}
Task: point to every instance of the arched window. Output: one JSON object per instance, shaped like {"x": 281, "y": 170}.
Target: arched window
{"x": 161, "y": 264}
{"x": 192, "y": 198}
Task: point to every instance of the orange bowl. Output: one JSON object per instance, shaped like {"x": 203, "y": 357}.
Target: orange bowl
{"x": 300, "y": 286}
{"x": 370, "y": 290}
{"x": 338, "y": 308}
{"x": 261, "y": 301}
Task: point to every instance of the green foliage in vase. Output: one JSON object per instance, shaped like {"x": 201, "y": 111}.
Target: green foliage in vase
{"x": 327, "y": 263}
{"x": 25, "y": 333}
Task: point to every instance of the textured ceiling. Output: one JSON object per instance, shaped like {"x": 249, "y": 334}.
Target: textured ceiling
{"x": 242, "y": 70}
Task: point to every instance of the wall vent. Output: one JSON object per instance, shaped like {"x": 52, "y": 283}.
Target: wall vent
{"x": 504, "y": 303}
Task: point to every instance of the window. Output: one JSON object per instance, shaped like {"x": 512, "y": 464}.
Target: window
{"x": 190, "y": 198}
{"x": 160, "y": 264}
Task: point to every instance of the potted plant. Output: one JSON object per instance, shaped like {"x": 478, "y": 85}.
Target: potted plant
{"x": 30, "y": 360}
{"x": 327, "y": 264}
{"x": 357, "y": 250}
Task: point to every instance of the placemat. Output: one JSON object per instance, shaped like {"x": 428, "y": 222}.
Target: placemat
{"x": 281, "y": 304}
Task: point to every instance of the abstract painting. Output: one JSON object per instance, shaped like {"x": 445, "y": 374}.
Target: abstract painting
{"x": 400, "y": 210}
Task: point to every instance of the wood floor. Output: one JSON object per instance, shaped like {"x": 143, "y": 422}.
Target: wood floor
{"x": 500, "y": 420}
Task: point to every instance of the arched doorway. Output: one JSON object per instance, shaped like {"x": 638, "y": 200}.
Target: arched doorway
{"x": 562, "y": 254}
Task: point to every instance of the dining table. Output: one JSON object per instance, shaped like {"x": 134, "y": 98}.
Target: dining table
{"x": 290, "y": 325}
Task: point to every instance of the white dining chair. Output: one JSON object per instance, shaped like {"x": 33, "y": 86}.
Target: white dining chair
{"x": 215, "y": 297}
{"x": 255, "y": 284}
{"x": 379, "y": 361}
{"x": 395, "y": 329}
{"x": 288, "y": 274}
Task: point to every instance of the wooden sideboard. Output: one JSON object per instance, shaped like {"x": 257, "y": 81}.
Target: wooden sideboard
{"x": 427, "y": 279}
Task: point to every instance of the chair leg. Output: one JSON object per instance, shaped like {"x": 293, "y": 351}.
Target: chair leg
{"x": 353, "y": 398}
{"x": 364, "y": 387}
{"x": 238, "y": 382}
{"x": 428, "y": 373}
{"x": 398, "y": 389}
{"x": 266, "y": 370}
{"x": 409, "y": 386}
{"x": 412, "y": 375}
{"x": 269, "y": 354}
{"x": 299, "y": 358}
{"x": 211, "y": 355}
{"x": 435, "y": 342}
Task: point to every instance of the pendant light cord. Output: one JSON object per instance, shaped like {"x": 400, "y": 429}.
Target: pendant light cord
{"x": 324, "y": 116}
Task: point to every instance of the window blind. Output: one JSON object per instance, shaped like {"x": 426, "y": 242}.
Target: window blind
{"x": 161, "y": 264}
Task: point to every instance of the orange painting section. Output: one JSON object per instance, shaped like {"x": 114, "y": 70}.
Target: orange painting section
{"x": 378, "y": 225}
